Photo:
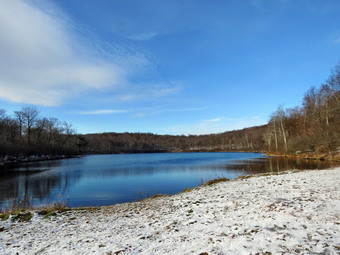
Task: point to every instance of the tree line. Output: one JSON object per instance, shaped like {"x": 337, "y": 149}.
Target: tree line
{"x": 312, "y": 127}
{"x": 248, "y": 139}
{"x": 26, "y": 132}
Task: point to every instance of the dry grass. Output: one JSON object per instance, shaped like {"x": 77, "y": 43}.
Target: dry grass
{"x": 244, "y": 177}
{"x": 22, "y": 217}
{"x": 4, "y": 216}
{"x": 23, "y": 211}
{"x": 160, "y": 195}
{"x": 189, "y": 189}
{"x": 15, "y": 207}
{"x": 211, "y": 182}
{"x": 154, "y": 197}
{"x": 52, "y": 209}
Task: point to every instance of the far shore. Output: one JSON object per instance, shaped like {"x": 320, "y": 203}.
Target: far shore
{"x": 15, "y": 159}
{"x": 294, "y": 212}
{"x": 329, "y": 156}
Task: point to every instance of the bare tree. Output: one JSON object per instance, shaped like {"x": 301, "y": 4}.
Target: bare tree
{"x": 2, "y": 124}
{"x": 20, "y": 120}
{"x": 30, "y": 116}
{"x": 68, "y": 132}
{"x": 281, "y": 117}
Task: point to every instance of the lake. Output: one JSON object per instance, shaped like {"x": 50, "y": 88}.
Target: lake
{"x": 96, "y": 180}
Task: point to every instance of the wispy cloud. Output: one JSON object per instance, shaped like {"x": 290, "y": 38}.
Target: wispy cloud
{"x": 107, "y": 111}
{"x": 146, "y": 112}
{"x": 46, "y": 64}
{"x": 145, "y": 92}
{"x": 337, "y": 40}
{"x": 214, "y": 120}
{"x": 185, "y": 109}
{"x": 143, "y": 36}
{"x": 140, "y": 115}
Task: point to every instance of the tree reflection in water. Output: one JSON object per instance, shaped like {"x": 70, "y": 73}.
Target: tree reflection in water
{"x": 35, "y": 182}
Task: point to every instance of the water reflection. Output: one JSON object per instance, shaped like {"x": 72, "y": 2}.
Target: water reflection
{"x": 110, "y": 179}
{"x": 273, "y": 164}
{"x": 35, "y": 182}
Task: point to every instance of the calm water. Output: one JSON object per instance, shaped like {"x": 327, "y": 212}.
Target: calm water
{"x": 110, "y": 179}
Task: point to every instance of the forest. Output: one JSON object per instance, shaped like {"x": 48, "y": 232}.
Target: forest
{"x": 25, "y": 132}
{"x": 248, "y": 139}
{"x": 313, "y": 127}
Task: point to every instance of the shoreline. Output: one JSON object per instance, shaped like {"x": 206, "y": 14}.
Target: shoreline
{"x": 8, "y": 160}
{"x": 294, "y": 212}
{"x": 329, "y": 156}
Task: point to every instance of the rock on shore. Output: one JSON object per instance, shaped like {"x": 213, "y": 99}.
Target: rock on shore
{"x": 292, "y": 213}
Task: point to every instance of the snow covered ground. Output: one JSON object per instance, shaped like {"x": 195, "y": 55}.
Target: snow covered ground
{"x": 293, "y": 213}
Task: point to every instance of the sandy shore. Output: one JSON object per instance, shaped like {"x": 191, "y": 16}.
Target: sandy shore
{"x": 293, "y": 213}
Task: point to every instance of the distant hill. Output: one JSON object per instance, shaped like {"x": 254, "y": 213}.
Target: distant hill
{"x": 248, "y": 139}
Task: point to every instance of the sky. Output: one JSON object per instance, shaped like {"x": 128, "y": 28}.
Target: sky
{"x": 164, "y": 66}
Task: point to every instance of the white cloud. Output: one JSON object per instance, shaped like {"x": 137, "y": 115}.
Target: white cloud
{"x": 42, "y": 63}
{"x": 214, "y": 120}
{"x": 140, "y": 115}
{"x": 108, "y": 111}
{"x": 185, "y": 109}
{"x": 191, "y": 109}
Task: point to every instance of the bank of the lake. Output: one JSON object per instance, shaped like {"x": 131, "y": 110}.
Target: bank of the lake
{"x": 291, "y": 213}
{"x": 329, "y": 156}
{"x": 16, "y": 159}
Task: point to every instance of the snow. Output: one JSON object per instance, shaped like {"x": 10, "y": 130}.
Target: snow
{"x": 292, "y": 213}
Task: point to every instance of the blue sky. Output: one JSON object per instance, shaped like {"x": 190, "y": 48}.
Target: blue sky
{"x": 164, "y": 66}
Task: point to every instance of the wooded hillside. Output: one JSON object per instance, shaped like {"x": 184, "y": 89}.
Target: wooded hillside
{"x": 312, "y": 127}
{"x": 248, "y": 139}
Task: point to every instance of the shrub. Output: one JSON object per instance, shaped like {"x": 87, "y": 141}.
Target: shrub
{"x": 23, "y": 217}
{"x": 52, "y": 208}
